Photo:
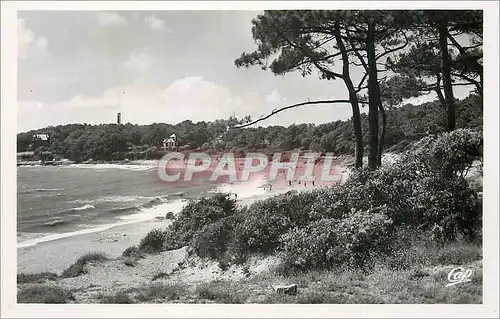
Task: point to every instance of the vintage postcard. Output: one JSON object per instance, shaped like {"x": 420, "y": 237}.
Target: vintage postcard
{"x": 250, "y": 159}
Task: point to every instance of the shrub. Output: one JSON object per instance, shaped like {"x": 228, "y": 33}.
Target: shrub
{"x": 133, "y": 252}
{"x": 219, "y": 291}
{"x": 118, "y": 298}
{"x": 426, "y": 187}
{"x": 78, "y": 268}
{"x": 35, "y": 277}
{"x": 161, "y": 291}
{"x": 414, "y": 248}
{"x": 44, "y": 294}
{"x": 212, "y": 240}
{"x": 196, "y": 215}
{"x": 259, "y": 228}
{"x": 452, "y": 206}
{"x": 129, "y": 261}
{"x": 170, "y": 215}
{"x": 153, "y": 241}
{"x": 346, "y": 242}
{"x": 452, "y": 153}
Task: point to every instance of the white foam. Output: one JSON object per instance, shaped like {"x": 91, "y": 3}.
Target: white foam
{"x": 111, "y": 199}
{"x": 156, "y": 211}
{"x": 48, "y": 189}
{"x": 142, "y": 215}
{"x": 105, "y": 166}
{"x": 84, "y": 207}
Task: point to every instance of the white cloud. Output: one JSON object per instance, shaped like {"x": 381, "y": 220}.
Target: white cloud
{"x": 139, "y": 61}
{"x": 274, "y": 97}
{"x": 156, "y": 24}
{"x": 192, "y": 98}
{"x": 27, "y": 42}
{"x": 110, "y": 19}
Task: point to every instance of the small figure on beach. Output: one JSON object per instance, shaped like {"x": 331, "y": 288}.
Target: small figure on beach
{"x": 270, "y": 187}
{"x": 289, "y": 183}
{"x": 313, "y": 183}
{"x": 305, "y": 184}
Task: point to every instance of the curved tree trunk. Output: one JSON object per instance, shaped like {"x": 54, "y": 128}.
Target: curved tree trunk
{"x": 373, "y": 98}
{"x": 446, "y": 71}
{"x": 353, "y": 98}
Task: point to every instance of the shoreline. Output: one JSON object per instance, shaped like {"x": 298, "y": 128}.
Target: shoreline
{"x": 60, "y": 250}
{"x": 57, "y": 254}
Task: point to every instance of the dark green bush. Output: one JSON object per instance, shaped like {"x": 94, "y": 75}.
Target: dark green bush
{"x": 212, "y": 240}
{"x": 196, "y": 215}
{"x": 426, "y": 187}
{"x": 133, "y": 251}
{"x": 328, "y": 243}
{"x": 153, "y": 241}
{"x": 259, "y": 229}
{"x": 170, "y": 215}
{"x": 78, "y": 268}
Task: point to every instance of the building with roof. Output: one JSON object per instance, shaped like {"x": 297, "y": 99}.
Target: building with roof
{"x": 170, "y": 144}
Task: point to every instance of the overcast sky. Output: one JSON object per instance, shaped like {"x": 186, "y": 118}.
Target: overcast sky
{"x": 154, "y": 66}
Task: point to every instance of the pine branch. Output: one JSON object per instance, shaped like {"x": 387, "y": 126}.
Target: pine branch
{"x": 276, "y": 111}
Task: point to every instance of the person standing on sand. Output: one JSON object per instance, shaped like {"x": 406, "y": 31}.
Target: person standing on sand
{"x": 313, "y": 183}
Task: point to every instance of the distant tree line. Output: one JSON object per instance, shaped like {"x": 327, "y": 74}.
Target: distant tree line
{"x": 112, "y": 142}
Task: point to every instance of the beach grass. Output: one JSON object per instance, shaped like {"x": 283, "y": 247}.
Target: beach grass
{"x": 24, "y": 278}
{"x": 44, "y": 294}
{"x": 120, "y": 297}
{"x": 419, "y": 278}
{"x": 78, "y": 268}
{"x": 161, "y": 292}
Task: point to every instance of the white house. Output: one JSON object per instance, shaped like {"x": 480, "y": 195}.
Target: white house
{"x": 43, "y": 137}
{"x": 170, "y": 144}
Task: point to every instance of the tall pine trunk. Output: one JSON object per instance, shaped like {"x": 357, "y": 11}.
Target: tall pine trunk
{"x": 381, "y": 141}
{"x": 353, "y": 98}
{"x": 373, "y": 98}
{"x": 446, "y": 71}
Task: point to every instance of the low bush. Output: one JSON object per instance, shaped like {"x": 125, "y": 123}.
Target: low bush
{"x": 165, "y": 292}
{"x": 153, "y": 241}
{"x": 117, "y": 298}
{"x": 44, "y": 294}
{"x": 259, "y": 228}
{"x": 134, "y": 252}
{"x": 416, "y": 248}
{"x": 220, "y": 292}
{"x": 349, "y": 242}
{"x": 196, "y": 215}
{"x": 35, "y": 277}
{"x": 78, "y": 268}
{"x": 426, "y": 186}
{"x": 170, "y": 215}
{"x": 213, "y": 239}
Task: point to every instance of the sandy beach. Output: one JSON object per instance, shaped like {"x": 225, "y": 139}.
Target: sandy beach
{"x": 56, "y": 255}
